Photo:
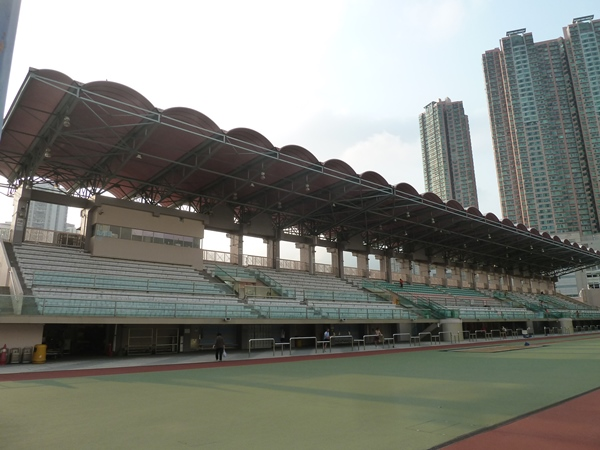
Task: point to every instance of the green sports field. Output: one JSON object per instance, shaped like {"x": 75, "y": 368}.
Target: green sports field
{"x": 401, "y": 400}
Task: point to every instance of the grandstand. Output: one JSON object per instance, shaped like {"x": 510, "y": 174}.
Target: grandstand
{"x": 136, "y": 278}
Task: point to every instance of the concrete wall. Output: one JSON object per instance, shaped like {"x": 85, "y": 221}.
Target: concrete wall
{"x": 4, "y": 266}
{"x": 21, "y": 335}
{"x": 148, "y": 218}
{"x": 118, "y": 248}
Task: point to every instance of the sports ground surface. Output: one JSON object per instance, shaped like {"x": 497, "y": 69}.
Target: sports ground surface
{"x": 503, "y": 395}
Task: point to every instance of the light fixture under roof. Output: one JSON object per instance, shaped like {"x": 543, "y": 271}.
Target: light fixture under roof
{"x": 47, "y": 153}
{"x": 67, "y": 122}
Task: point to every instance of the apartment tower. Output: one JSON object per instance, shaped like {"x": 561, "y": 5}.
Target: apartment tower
{"x": 447, "y": 154}
{"x": 544, "y": 107}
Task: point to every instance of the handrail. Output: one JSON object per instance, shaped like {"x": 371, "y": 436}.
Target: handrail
{"x": 292, "y": 339}
{"x": 379, "y": 336}
{"x": 442, "y": 333}
{"x": 108, "y": 282}
{"x": 250, "y": 341}
{"x": 400, "y": 334}
{"x": 342, "y": 337}
{"x": 424, "y": 333}
{"x": 480, "y": 331}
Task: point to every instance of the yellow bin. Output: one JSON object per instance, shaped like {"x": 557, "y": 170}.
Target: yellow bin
{"x": 39, "y": 353}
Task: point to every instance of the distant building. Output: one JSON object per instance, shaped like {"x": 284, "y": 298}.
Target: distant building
{"x": 544, "y": 106}
{"x": 5, "y": 231}
{"x": 47, "y": 216}
{"x": 447, "y": 154}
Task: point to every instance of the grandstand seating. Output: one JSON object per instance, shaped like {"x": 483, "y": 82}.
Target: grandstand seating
{"x": 66, "y": 281}
{"x": 306, "y": 287}
{"x": 70, "y": 282}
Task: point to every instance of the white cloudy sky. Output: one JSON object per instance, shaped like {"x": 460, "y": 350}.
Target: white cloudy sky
{"x": 345, "y": 79}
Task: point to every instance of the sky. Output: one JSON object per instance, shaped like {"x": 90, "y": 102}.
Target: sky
{"x": 345, "y": 79}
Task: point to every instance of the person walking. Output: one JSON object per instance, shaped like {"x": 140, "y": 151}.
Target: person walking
{"x": 219, "y": 347}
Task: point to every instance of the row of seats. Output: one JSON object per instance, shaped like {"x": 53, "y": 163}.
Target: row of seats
{"x": 47, "y": 257}
{"x": 71, "y": 307}
{"x": 317, "y": 287}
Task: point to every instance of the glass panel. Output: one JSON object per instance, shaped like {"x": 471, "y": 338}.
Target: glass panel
{"x": 126, "y": 233}
{"x": 115, "y": 231}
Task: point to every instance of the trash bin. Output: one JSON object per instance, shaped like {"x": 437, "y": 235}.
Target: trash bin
{"x": 15, "y": 355}
{"x": 39, "y": 353}
{"x": 26, "y": 355}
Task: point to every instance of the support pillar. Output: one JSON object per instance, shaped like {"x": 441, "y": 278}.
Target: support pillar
{"x": 407, "y": 275}
{"x": 236, "y": 248}
{"x": 307, "y": 257}
{"x": 312, "y": 257}
{"x": 385, "y": 267}
{"x": 337, "y": 260}
{"x": 340, "y": 258}
{"x": 273, "y": 252}
{"x": 21, "y": 201}
{"x": 566, "y": 323}
{"x": 362, "y": 264}
{"x": 453, "y": 326}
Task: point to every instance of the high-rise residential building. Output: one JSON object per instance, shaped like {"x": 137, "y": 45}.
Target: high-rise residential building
{"x": 544, "y": 106}
{"x": 447, "y": 154}
{"x": 46, "y": 216}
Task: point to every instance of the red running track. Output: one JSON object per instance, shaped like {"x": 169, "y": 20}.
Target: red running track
{"x": 570, "y": 425}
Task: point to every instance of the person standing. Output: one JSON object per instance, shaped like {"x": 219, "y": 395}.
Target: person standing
{"x": 378, "y": 337}
{"x": 219, "y": 347}
{"x": 401, "y": 282}
{"x": 325, "y": 338}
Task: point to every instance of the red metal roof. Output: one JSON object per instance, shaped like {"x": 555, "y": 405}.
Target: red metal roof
{"x": 103, "y": 137}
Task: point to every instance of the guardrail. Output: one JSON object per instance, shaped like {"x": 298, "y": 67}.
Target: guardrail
{"x": 400, "y": 337}
{"x": 426, "y": 333}
{"x": 453, "y": 337}
{"x": 250, "y": 341}
{"x": 342, "y": 339}
{"x": 294, "y": 339}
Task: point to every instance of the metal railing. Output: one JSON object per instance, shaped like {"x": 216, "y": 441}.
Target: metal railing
{"x": 294, "y": 339}
{"x": 343, "y": 339}
{"x": 250, "y": 341}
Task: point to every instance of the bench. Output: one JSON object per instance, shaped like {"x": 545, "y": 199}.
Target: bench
{"x": 435, "y": 338}
{"x": 415, "y": 340}
{"x": 389, "y": 341}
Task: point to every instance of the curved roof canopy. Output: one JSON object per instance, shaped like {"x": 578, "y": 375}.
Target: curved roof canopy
{"x": 103, "y": 137}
